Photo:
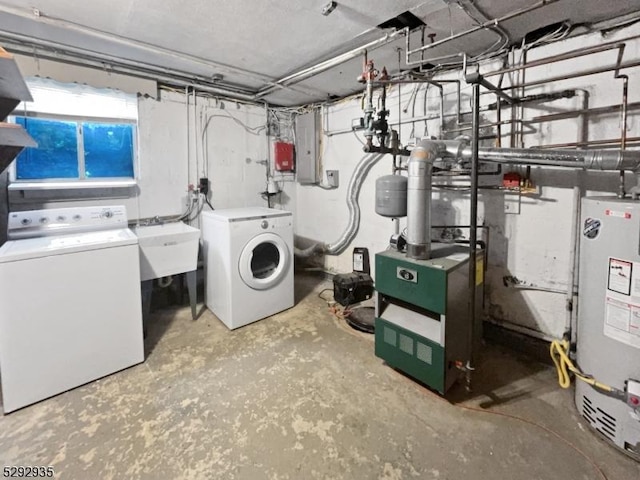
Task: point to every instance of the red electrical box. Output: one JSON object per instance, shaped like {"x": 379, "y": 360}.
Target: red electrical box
{"x": 283, "y": 154}
{"x": 511, "y": 180}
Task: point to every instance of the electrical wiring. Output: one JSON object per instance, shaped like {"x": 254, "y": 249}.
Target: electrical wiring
{"x": 425, "y": 133}
{"x": 518, "y": 418}
{"x": 334, "y": 308}
{"x": 548, "y": 430}
{"x": 186, "y": 214}
{"x": 200, "y": 207}
{"x": 343, "y": 313}
{"x": 322, "y": 291}
{"x": 357, "y": 137}
{"x": 251, "y": 130}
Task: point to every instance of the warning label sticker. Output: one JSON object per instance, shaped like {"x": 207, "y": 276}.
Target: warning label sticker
{"x": 614, "y": 213}
{"x": 622, "y": 302}
{"x": 620, "y": 276}
{"x": 622, "y": 322}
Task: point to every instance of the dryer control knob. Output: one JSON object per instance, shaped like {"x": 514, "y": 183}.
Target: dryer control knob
{"x": 264, "y": 224}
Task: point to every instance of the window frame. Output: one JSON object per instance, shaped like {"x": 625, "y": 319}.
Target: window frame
{"x": 81, "y": 181}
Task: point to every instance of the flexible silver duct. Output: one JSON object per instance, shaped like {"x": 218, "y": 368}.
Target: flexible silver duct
{"x": 353, "y": 191}
{"x": 309, "y": 251}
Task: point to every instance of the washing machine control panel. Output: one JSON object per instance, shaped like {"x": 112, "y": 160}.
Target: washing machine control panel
{"x": 62, "y": 221}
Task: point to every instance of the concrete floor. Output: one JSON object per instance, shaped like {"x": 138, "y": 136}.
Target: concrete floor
{"x": 300, "y": 396}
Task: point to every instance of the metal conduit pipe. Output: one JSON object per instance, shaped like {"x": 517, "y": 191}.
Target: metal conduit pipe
{"x": 309, "y": 72}
{"x": 125, "y": 41}
{"x": 494, "y": 23}
{"x": 75, "y": 56}
{"x": 353, "y": 191}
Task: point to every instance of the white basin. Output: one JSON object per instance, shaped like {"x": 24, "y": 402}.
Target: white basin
{"x": 167, "y": 249}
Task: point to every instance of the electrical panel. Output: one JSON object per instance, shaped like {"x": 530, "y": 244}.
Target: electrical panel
{"x": 308, "y": 147}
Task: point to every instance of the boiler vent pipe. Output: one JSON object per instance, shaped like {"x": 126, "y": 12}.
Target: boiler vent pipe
{"x": 419, "y": 170}
{"x": 420, "y": 167}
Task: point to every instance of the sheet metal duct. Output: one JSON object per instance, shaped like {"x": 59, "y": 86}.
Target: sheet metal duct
{"x": 419, "y": 169}
{"x": 427, "y": 151}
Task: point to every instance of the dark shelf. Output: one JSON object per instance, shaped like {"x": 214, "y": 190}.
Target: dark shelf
{"x": 13, "y": 89}
{"x": 13, "y": 138}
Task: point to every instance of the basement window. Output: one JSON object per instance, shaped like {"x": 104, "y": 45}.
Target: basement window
{"x": 76, "y": 149}
{"x": 86, "y": 137}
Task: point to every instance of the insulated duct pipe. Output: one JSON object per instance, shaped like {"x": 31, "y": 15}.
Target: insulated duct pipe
{"x": 587, "y": 159}
{"x": 419, "y": 169}
{"x": 353, "y": 191}
{"x": 420, "y": 166}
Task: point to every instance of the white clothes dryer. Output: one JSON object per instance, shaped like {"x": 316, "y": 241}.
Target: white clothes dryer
{"x": 248, "y": 263}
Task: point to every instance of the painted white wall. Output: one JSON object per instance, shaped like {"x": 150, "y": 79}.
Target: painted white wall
{"x": 173, "y": 153}
{"x": 532, "y": 245}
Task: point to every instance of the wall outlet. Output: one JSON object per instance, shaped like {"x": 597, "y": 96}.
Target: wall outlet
{"x": 333, "y": 178}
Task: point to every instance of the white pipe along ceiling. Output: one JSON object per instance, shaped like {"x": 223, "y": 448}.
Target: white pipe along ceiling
{"x": 286, "y": 52}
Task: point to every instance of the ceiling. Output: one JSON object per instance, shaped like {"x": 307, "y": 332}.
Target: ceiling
{"x": 254, "y": 45}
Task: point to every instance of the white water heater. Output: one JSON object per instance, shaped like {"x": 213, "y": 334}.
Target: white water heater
{"x": 608, "y": 335}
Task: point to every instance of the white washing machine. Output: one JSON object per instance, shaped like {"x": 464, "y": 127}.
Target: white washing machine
{"x": 70, "y": 307}
{"x": 249, "y": 263}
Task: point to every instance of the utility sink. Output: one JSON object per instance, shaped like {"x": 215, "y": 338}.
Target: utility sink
{"x": 167, "y": 249}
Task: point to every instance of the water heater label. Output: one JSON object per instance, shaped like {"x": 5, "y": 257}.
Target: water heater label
{"x": 622, "y": 302}
{"x": 591, "y": 228}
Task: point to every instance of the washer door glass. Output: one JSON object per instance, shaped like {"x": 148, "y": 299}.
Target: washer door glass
{"x": 264, "y": 261}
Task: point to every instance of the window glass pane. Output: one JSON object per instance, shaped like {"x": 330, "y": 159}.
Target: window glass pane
{"x": 57, "y": 153}
{"x": 108, "y": 150}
